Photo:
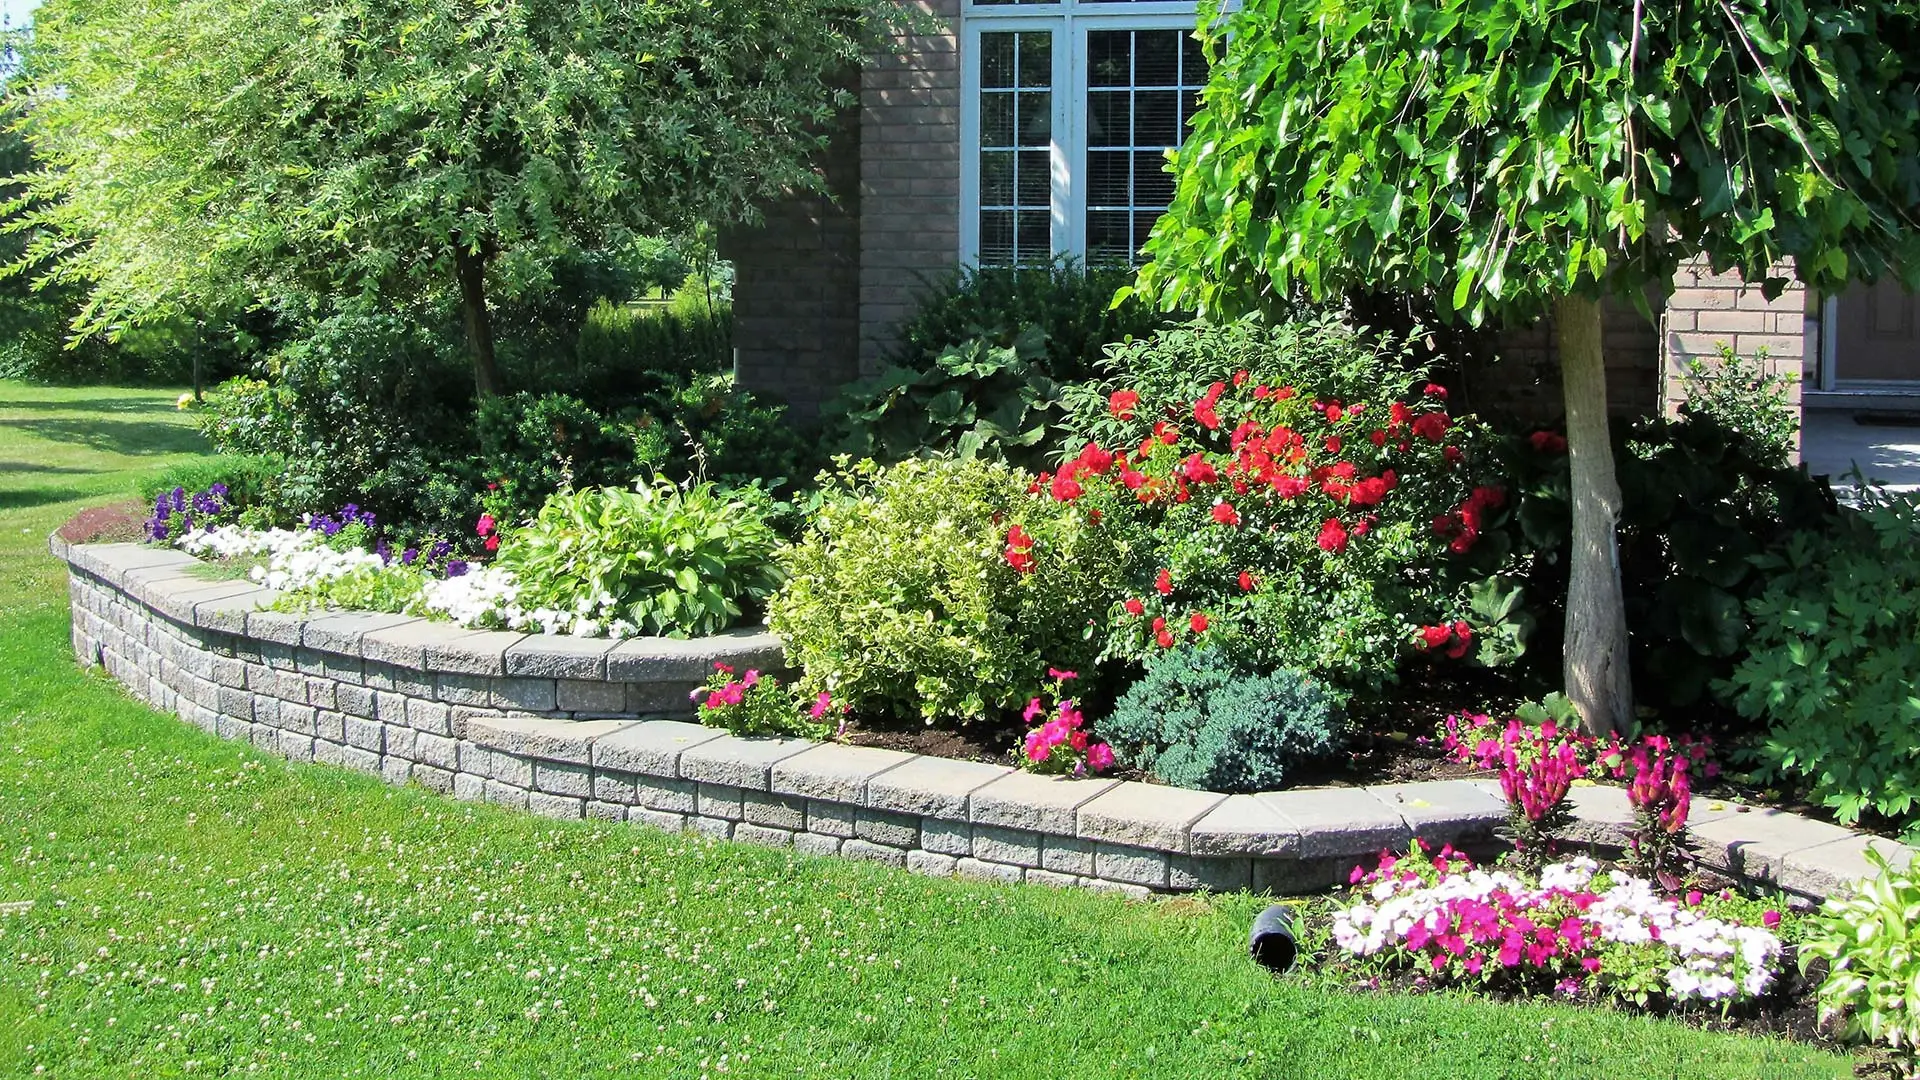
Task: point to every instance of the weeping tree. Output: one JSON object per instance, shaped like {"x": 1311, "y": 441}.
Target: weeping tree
{"x": 1511, "y": 159}
{"x": 203, "y": 151}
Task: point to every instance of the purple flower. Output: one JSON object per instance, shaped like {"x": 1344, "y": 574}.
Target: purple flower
{"x": 439, "y": 550}
{"x": 385, "y": 551}
{"x": 457, "y": 568}
{"x": 219, "y": 490}
{"x": 179, "y": 498}
{"x": 408, "y": 556}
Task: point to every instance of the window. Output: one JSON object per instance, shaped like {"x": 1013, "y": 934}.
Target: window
{"x": 1070, "y": 109}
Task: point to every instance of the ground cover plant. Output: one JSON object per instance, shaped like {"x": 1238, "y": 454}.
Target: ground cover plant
{"x": 386, "y": 930}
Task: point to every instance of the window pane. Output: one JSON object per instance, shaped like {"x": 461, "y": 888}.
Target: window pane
{"x": 996, "y": 178}
{"x": 1107, "y": 178}
{"x": 1036, "y": 178}
{"x": 996, "y": 237}
{"x": 1107, "y": 237}
{"x": 1036, "y": 59}
{"x": 1152, "y": 184}
{"x": 1109, "y": 118}
{"x": 1156, "y": 57}
{"x": 996, "y": 119}
{"x": 1035, "y": 117}
{"x": 996, "y": 59}
{"x": 1189, "y": 104}
{"x": 1109, "y": 58}
{"x": 1156, "y": 118}
{"x": 1034, "y": 242}
{"x": 1193, "y": 61}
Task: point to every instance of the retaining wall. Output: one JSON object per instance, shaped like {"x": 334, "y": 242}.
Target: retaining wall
{"x": 572, "y": 728}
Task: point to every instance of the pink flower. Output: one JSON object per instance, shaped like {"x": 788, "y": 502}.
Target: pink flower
{"x": 820, "y": 705}
{"x": 1770, "y": 920}
{"x": 1056, "y": 673}
{"x": 750, "y": 679}
{"x": 484, "y": 525}
{"x": 1038, "y": 748}
{"x": 1694, "y": 898}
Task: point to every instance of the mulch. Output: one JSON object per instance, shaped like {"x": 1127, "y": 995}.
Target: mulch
{"x": 120, "y": 523}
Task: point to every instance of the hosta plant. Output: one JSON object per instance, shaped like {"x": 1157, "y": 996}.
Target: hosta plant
{"x": 1867, "y": 939}
{"x": 667, "y": 560}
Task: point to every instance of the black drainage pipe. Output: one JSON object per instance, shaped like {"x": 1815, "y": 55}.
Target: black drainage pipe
{"x": 1271, "y": 943}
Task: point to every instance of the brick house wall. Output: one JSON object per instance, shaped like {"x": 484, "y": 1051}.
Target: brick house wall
{"x": 1708, "y": 310}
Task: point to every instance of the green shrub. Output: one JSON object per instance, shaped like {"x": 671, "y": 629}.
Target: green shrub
{"x": 1196, "y": 721}
{"x": 1738, "y": 394}
{"x": 1070, "y": 305}
{"x": 1834, "y": 650}
{"x": 670, "y": 561}
{"x": 249, "y": 479}
{"x": 534, "y": 445}
{"x": 1320, "y": 510}
{"x": 1873, "y": 970}
{"x": 1700, "y": 502}
{"x": 978, "y": 399}
{"x": 628, "y": 351}
{"x": 900, "y": 600}
{"x": 979, "y": 367}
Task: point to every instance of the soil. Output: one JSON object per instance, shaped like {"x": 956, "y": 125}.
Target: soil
{"x": 120, "y": 523}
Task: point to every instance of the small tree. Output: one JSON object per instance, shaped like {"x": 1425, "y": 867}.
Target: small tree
{"x": 1510, "y": 159}
{"x": 200, "y": 150}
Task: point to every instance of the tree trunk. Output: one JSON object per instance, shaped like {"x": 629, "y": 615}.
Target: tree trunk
{"x": 471, "y": 268}
{"x": 1598, "y": 680}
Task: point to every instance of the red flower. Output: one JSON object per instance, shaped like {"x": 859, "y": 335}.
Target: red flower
{"x": 1334, "y": 412}
{"x": 1435, "y": 390}
{"x": 1134, "y": 606}
{"x": 1462, "y": 640}
{"x": 1019, "y": 552}
{"x": 1333, "y": 444}
{"x": 493, "y": 542}
{"x": 1225, "y": 514}
{"x": 1164, "y": 639}
{"x": 1333, "y": 536}
{"x": 1095, "y": 460}
{"x": 484, "y": 525}
{"x": 1199, "y": 470}
{"x": 1163, "y": 583}
{"x": 1166, "y": 432}
{"x": 1246, "y": 581}
{"x": 1240, "y": 378}
{"x": 1285, "y": 392}
{"x": 1452, "y": 454}
{"x": 1378, "y": 438}
{"x": 1198, "y": 623}
{"x": 1290, "y": 487}
{"x": 1432, "y": 637}
{"x": 1261, "y": 392}
{"x": 1065, "y": 488}
{"x": 1398, "y": 414}
{"x": 1121, "y": 403}
{"x": 1431, "y": 426}
{"x": 1548, "y": 442}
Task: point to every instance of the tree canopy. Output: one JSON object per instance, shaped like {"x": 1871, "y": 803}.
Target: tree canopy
{"x": 204, "y": 151}
{"x": 1495, "y": 154}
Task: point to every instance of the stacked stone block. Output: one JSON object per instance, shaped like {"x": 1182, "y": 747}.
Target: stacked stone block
{"x": 529, "y": 722}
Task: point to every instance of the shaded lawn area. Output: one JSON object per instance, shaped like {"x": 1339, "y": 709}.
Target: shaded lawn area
{"x": 200, "y": 909}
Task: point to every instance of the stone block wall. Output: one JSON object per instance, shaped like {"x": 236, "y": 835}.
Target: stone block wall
{"x": 565, "y": 728}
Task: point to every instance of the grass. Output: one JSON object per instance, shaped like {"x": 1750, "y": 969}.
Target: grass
{"x": 200, "y": 909}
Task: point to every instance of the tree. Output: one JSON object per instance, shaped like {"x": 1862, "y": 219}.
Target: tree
{"x": 203, "y": 150}
{"x": 1513, "y": 158}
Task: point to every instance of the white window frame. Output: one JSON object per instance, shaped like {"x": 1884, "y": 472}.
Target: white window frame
{"x": 1068, "y": 22}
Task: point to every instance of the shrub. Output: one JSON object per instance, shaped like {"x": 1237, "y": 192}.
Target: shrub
{"x": 1873, "y": 973}
{"x": 1834, "y": 648}
{"x": 979, "y": 368}
{"x": 1196, "y": 721}
{"x": 1068, "y": 305}
{"x": 1289, "y": 526}
{"x": 1700, "y": 502}
{"x": 628, "y": 351}
{"x": 1739, "y": 395}
{"x": 977, "y": 399}
{"x": 900, "y": 599}
{"x": 248, "y": 478}
{"x": 666, "y": 560}
{"x": 533, "y": 445}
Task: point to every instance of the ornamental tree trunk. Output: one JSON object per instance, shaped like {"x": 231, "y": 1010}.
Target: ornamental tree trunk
{"x": 1595, "y": 666}
{"x": 471, "y": 268}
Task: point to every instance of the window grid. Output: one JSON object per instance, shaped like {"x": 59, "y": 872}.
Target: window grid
{"x": 1134, "y": 60}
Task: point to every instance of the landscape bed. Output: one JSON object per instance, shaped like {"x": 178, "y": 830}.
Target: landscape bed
{"x": 578, "y": 727}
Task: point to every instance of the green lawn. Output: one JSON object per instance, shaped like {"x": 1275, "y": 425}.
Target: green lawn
{"x": 201, "y": 909}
